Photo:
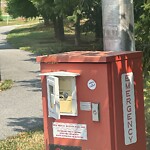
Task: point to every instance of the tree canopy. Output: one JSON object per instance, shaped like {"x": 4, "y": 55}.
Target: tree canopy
{"x": 21, "y": 8}
{"x": 142, "y": 35}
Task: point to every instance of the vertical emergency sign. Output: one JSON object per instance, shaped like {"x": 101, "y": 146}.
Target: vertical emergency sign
{"x": 129, "y": 114}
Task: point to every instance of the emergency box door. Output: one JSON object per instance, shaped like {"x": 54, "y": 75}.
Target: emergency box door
{"x": 61, "y": 94}
{"x": 53, "y": 97}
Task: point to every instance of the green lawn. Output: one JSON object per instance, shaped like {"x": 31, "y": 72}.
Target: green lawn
{"x": 32, "y": 140}
{"x": 40, "y": 40}
{"x": 18, "y": 21}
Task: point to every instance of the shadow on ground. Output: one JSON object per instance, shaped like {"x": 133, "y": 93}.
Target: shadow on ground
{"x": 32, "y": 58}
{"x": 25, "y": 124}
{"x": 33, "y": 84}
{"x": 5, "y": 45}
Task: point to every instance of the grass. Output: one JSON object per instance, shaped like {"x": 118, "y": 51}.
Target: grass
{"x": 18, "y": 21}
{"x": 40, "y": 40}
{"x": 6, "y": 84}
{"x": 32, "y": 140}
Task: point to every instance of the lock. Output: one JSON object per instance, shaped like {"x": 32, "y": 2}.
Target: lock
{"x": 96, "y": 112}
{"x": 65, "y": 95}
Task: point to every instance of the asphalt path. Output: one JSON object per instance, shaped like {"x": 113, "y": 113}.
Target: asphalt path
{"x": 21, "y": 106}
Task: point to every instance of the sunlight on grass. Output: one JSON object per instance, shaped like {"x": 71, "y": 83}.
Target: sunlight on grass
{"x": 32, "y": 140}
{"x": 18, "y": 21}
{"x": 34, "y": 39}
{"x": 41, "y": 40}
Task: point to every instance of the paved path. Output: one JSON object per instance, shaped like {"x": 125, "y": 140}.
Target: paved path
{"x": 20, "y": 107}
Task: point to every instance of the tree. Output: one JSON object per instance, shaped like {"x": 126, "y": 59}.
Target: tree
{"x": 52, "y": 10}
{"x": 89, "y": 11}
{"x": 1, "y": 19}
{"x": 57, "y": 10}
{"x": 0, "y": 11}
{"x": 43, "y": 8}
{"x": 143, "y": 35}
{"x": 93, "y": 13}
{"x": 19, "y": 8}
{"x": 77, "y": 13}
{"x": 138, "y": 10}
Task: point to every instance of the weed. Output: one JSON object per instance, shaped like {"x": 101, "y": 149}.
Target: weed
{"x": 6, "y": 84}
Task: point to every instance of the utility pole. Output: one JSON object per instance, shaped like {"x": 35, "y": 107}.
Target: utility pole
{"x": 118, "y": 25}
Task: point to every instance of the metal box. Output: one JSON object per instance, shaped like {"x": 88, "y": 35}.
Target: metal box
{"x": 98, "y": 101}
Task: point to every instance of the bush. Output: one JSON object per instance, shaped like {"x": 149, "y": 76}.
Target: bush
{"x": 147, "y": 108}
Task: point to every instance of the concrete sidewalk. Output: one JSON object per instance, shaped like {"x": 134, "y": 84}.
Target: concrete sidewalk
{"x": 21, "y": 106}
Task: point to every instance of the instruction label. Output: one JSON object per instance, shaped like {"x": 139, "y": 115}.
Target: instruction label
{"x": 86, "y": 106}
{"x": 70, "y": 130}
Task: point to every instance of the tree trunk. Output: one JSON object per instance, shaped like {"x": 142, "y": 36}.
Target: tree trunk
{"x": 46, "y": 21}
{"x": 77, "y": 30}
{"x": 98, "y": 26}
{"x": 0, "y": 5}
{"x": 0, "y": 11}
{"x": 60, "y": 25}
{"x": 59, "y": 28}
{"x": 55, "y": 27}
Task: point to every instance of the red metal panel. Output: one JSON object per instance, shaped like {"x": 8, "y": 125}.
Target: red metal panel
{"x": 118, "y": 68}
{"x": 97, "y": 131}
{"x": 106, "y": 70}
{"x": 88, "y": 56}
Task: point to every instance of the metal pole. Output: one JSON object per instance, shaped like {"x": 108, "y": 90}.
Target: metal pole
{"x": 118, "y": 25}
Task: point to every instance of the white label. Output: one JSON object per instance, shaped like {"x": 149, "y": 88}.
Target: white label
{"x": 86, "y": 106}
{"x": 70, "y": 130}
{"x": 130, "y": 132}
{"x": 91, "y": 84}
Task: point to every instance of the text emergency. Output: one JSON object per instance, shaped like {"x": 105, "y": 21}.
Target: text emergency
{"x": 129, "y": 113}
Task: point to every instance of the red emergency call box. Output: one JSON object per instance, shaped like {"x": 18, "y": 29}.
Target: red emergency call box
{"x": 93, "y": 100}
